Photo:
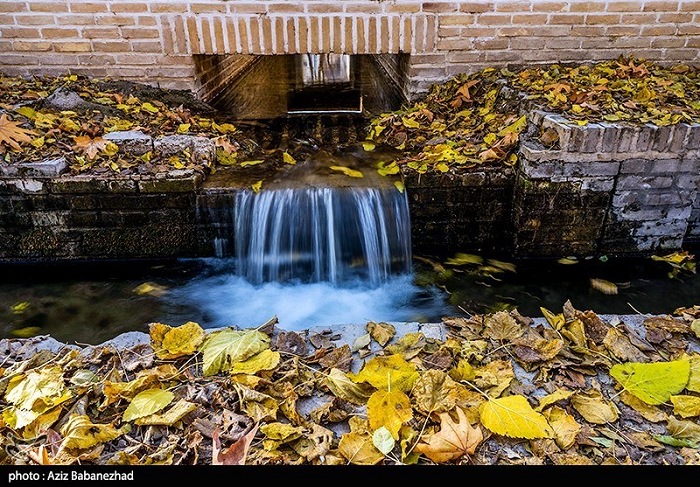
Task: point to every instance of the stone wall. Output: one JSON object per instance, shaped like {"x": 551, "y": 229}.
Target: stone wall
{"x": 607, "y": 188}
{"x": 48, "y": 217}
{"x": 469, "y": 212}
{"x": 156, "y": 41}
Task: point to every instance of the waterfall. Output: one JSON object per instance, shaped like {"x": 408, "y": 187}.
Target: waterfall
{"x": 322, "y": 234}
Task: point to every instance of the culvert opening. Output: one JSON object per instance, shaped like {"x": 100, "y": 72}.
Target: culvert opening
{"x": 267, "y": 87}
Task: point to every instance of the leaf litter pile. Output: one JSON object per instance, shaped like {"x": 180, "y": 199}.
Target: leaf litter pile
{"x": 499, "y": 389}
{"x": 477, "y": 119}
{"x": 469, "y": 121}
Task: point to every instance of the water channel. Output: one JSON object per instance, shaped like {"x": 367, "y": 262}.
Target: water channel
{"x": 314, "y": 249}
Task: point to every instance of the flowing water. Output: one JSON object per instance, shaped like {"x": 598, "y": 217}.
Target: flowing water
{"x": 313, "y": 248}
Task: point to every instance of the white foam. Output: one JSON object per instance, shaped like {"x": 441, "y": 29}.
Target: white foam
{"x": 230, "y": 300}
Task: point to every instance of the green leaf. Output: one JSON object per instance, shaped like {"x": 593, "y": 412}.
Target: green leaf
{"x": 383, "y": 441}
{"x": 653, "y": 383}
{"x": 146, "y": 403}
{"x": 223, "y": 349}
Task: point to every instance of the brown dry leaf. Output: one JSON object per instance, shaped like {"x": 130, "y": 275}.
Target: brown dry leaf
{"x": 594, "y": 407}
{"x": 12, "y": 134}
{"x": 85, "y": 144}
{"x": 381, "y": 332}
{"x": 236, "y": 453}
{"x": 358, "y": 449}
{"x": 564, "y": 426}
{"x": 454, "y": 440}
{"x": 502, "y": 326}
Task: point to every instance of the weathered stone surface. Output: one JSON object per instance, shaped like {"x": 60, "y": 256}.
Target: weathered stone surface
{"x": 202, "y": 149}
{"x": 133, "y": 142}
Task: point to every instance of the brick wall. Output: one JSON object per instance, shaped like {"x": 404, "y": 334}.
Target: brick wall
{"x": 154, "y": 41}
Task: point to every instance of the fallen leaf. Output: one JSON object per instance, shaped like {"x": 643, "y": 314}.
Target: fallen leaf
{"x": 455, "y": 439}
{"x": 235, "y": 454}
{"x": 653, "y": 383}
{"x": 513, "y": 416}
{"x": 12, "y": 134}
{"x": 146, "y": 403}
{"x": 347, "y": 171}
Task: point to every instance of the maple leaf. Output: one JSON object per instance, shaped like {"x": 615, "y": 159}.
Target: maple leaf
{"x": 89, "y": 146}
{"x": 454, "y": 440}
{"x": 12, "y": 134}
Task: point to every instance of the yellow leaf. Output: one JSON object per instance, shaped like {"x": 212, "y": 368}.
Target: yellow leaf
{"x": 387, "y": 372}
{"x": 686, "y": 406}
{"x": 390, "y": 409}
{"x": 514, "y": 128}
{"x": 464, "y": 259}
{"x": 368, "y": 145}
{"x": 555, "y": 321}
{"x": 594, "y": 407}
{"x": 38, "y": 142}
{"x": 222, "y": 349}
{"x": 146, "y": 403}
{"x": 385, "y": 170}
{"x": 34, "y": 393}
{"x": 454, "y": 440}
{"x": 265, "y": 360}
{"x": 149, "y": 108}
{"x": 257, "y": 186}
{"x": 224, "y": 128}
{"x": 358, "y": 449}
{"x": 19, "y": 308}
{"x": 287, "y": 158}
{"x": 183, "y": 128}
{"x": 399, "y": 185}
{"x": 410, "y": 123}
{"x": 253, "y": 162}
{"x": 169, "y": 343}
{"x": 174, "y": 414}
{"x": 513, "y": 416}
{"x": 79, "y": 432}
{"x": 564, "y": 426}
{"x": 347, "y": 171}
{"x": 150, "y": 288}
{"x": 653, "y": 383}
{"x": 344, "y": 388}
{"x": 605, "y": 287}
{"x": 26, "y": 332}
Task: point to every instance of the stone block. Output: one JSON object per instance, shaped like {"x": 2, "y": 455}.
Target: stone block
{"x": 133, "y": 142}
{"x": 593, "y": 134}
{"x": 662, "y": 138}
{"x": 77, "y": 184}
{"x": 169, "y": 185}
{"x": 627, "y": 136}
{"x": 610, "y": 137}
{"x": 679, "y": 137}
{"x": 645, "y": 138}
{"x": 693, "y": 137}
{"x": 46, "y": 168}
{"x": 633, "y": 166}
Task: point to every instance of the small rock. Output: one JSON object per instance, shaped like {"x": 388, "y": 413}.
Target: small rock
{"x": 48, "y": 167}
{"x": 133, "y": 142}
{"x": 64, "y": 99}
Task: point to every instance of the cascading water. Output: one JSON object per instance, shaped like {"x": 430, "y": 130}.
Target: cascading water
{"x": 322, "y": 234}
